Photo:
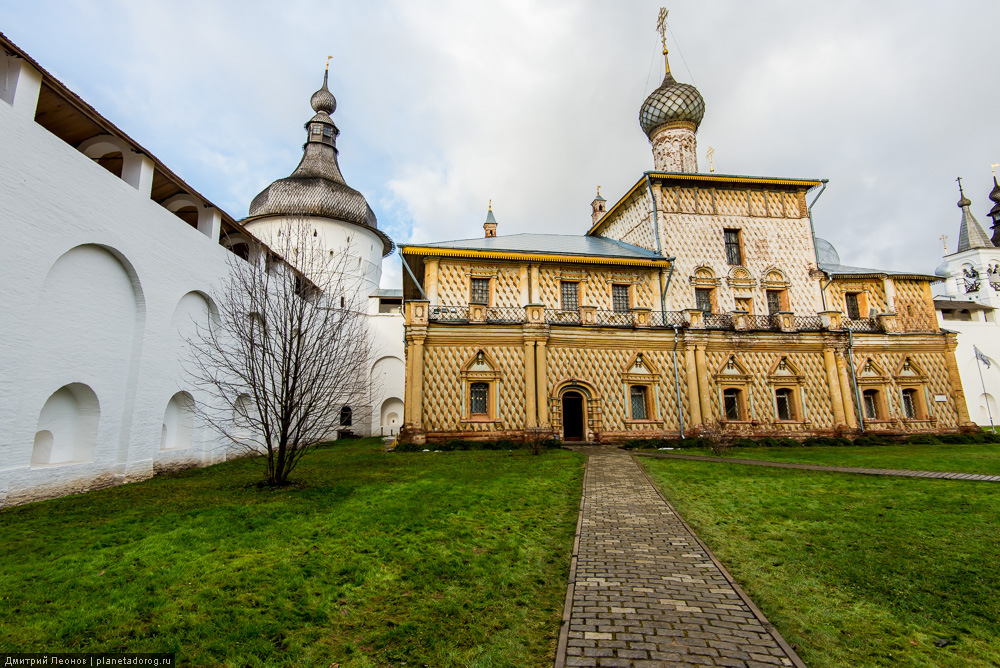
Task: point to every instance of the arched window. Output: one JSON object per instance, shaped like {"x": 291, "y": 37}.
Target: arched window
{"x": 345, "y": 416}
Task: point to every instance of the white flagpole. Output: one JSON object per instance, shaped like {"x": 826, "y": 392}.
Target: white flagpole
{"x": 986, "y": 396}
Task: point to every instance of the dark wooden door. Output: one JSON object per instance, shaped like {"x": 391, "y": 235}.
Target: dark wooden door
{"x": 572, "y": 406}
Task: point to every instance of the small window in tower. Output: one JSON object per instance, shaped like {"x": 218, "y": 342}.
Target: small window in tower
{"x": 731, "y": 404}
{"x": 317, "y": 129}
{"x": 619, "y": 298}
{"x": 638, "y": 396}
{"x": 327, "y": 132}
{"x": 479, "y": 399}
{"x": 570, "y": 296}
{"x": 734, "y": 254}
{"x": 480, "y": 291}
{"x": 853, "y": 310}
{"x": 703, "y": 299}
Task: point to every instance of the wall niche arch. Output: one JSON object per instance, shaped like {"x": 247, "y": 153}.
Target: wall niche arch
{"x": 66, "y": 432}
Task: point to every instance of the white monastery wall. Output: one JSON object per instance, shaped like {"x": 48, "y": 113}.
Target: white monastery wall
{"x": 388, "y": 372}
{"x": 99, "y": 279}
{"x": 986, "y": 337}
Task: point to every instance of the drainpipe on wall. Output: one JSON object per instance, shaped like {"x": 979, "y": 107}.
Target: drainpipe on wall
{"x": 677, "y": 385}
{"x": 854, "y": 379}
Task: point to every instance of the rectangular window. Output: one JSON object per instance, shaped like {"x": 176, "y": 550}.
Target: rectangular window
{"x": 479, "y": 399}
{"x": 731, "y": 403}
{"x": 570, "y": 296}
{"x": 703, "y": 299}
{"x": 909, "y": 404}
{"x": 480, "y": 292}
{"x": 773, "y": 301}
{"x": 638, "y": 394}
{"x": 619, "y": 298}
{"x": 734, "y": 254}
{"x": 783, "y": 401}
{"x": 870, "y": 398}
{"x": 851, "y": 300}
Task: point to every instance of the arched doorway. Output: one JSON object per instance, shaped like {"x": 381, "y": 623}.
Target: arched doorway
{"x": 574, "y": 417}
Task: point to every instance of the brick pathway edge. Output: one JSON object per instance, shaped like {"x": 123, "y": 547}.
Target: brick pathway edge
{"x": 571, "y": 586}
{"x": 792, "y": 654}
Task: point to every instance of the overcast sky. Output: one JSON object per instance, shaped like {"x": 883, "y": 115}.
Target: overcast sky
{"x": 444, "y": 105}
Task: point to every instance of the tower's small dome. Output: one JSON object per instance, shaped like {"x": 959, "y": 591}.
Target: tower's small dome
{"x": 964, "y": 202}
{"x": 323, "y": 100}
{"x": 672, "y": 101}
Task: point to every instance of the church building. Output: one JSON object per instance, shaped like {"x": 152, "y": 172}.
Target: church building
{"x": 967, "y": 302}
{"x": 697, "y": 303}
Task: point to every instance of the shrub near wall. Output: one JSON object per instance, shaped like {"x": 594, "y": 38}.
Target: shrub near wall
{"x": 459, "y": 444}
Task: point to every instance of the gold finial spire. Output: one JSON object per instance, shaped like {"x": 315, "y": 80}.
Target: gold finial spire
{"x": 994, "y": 168}
{"x": 944, "y": 242}
{"x": 598, "y": 191}
{"x": 328, "y": 59}
{"x": 491, "y": 205}
{"x": 709, "y": 154}
{"x": 661, "y": 27}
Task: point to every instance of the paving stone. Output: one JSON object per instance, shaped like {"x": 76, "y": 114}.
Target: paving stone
{"x": 646, "y": 590}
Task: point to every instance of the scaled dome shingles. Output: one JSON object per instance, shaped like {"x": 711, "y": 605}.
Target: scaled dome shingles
{"x": 672, "y": 101}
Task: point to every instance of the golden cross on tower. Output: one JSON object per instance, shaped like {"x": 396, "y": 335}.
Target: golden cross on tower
{"x": 708, "y": 154}
{"x": 328, "y": 59}
{"x": 661, "y": 27}
{"x": 944, "y": 242}
{"x": 994, "y": 168}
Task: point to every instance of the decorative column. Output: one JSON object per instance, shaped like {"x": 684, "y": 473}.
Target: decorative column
{"x": 530, "y": 391}
{"x": 415, "y": 314}
{"x": 702, "y": 366}
{"x": 542, "y": 366}
{"x": 846, "y": 392}
{"x": 692, "y": 385}
{"x": 957, "y": 393}
{"x": 522, "y": 284}
{"x": 836, "y": 399}
{"x": 534, "y": 289}
{"x": 431, "y": 265}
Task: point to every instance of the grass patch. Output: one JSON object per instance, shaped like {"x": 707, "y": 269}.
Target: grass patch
{"x": 979, "y": 458}
{"x": 854, "y": 570}
{"x": 373, "y": 559}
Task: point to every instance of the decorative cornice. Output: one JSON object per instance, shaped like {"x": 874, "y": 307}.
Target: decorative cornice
{"x": 538, "y": 257}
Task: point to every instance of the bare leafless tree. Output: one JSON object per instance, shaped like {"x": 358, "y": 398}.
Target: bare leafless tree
{"x": 290, "y": 349}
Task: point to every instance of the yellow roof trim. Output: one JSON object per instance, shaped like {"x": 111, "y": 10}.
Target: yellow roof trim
{"x": 811, "y": 183}
{"x": 537, "y": 257}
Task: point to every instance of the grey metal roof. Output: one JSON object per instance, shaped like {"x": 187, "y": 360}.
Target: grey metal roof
{"x": 561, "y": 244}
{"x": 316, "y": 187}
{"x": 954, "y": 304}
{"x": 971, "y": 234}
{"x": 847, "y": 270}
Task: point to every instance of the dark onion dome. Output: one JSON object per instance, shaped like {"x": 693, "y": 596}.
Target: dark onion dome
{"x": 995, "y": 193}
{"x": 316, "y": 187}
{"x": 672, "y": 101}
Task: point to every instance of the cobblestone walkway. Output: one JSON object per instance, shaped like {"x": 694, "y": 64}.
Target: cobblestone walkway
{"x": 945, "y": 475}
{"x": 643, "y": 590}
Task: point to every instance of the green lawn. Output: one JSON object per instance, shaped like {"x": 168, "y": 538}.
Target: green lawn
{"x": 439, "y": 559}
{"x": 854, "y": 570}
{"x": 979, "y": 458}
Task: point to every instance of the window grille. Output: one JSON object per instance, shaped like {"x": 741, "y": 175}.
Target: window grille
{"x": 734, "y": 255}
{"x": 619, "y": 298}
{"x": 638, "y": 393}
{"x": 570, "y": 296}
{"x": 478, "y": 398}
{"x": 731, "y": 403}
{"x": 783, "y": 400}
{"x": 870, "y": 398}
{"x": 909, "y": 407}
{"x": 851, "y": 300}
{"x": 480, "y": 293}
{"x": 703, "y": 299}
{"x": 773, "y": 301}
